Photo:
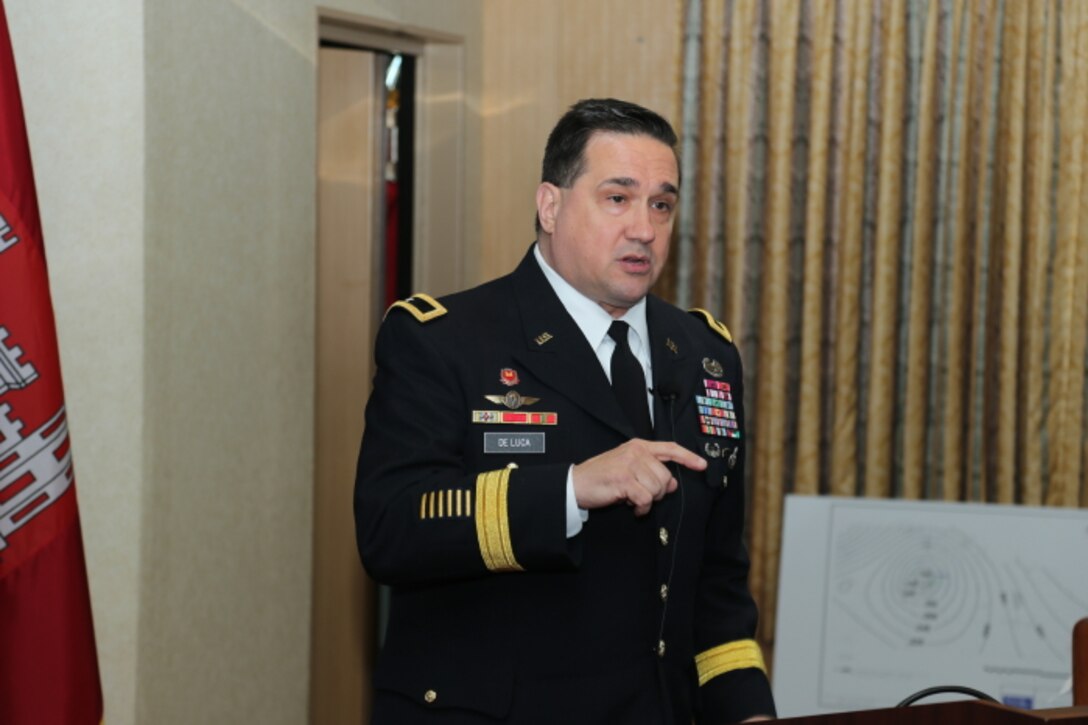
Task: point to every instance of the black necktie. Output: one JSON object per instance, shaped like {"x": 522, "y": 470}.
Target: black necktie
{"x": 629, "y": 382}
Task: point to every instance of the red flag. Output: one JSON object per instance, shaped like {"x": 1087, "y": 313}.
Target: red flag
{"x": 48, "y": 664}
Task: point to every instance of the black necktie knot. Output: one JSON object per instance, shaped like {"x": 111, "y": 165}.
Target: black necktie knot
{"x": 618, "y": 332}
{"x": 629, "y": 381}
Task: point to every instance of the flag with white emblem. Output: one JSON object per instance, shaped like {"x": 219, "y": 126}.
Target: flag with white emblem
{"x": 48, "y": 662}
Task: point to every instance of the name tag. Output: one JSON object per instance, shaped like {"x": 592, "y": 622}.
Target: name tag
{"x": 513, "y": 442}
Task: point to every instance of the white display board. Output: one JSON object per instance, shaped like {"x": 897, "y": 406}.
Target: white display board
{"x": 880, "y": 599}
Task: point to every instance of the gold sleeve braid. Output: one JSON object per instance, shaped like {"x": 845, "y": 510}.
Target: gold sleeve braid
{"x": 493, "y": 521}
{"x": 445, "y": 504}
{"x": 737, "y": 655}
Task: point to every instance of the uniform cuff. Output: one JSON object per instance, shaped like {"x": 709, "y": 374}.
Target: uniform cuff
{"x": 735, "y": 696}
{"x": 576, "y": 516}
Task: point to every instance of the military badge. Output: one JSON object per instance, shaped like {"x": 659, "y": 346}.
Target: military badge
{"x": 512, "y": 400}
{"x": 509, "y": 377}
{"x": 713, "y": 367}
{"x": 422, "y": 307}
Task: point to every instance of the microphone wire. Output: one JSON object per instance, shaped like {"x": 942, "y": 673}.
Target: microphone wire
{"x": 669, "y": 397}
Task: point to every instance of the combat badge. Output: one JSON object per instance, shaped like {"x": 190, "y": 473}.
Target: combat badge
{"x": 713, "y": 367}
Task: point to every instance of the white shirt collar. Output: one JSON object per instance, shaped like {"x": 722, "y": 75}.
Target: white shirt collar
{"x": 591, "y": 318}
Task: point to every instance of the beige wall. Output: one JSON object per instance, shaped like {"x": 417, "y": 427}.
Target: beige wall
{"x": 174, "y": 148}
{"x": 229, "y": 363}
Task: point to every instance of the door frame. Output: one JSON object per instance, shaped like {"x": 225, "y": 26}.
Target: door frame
{"x": 342, "y": 651}
{"x": 438, "y": 213}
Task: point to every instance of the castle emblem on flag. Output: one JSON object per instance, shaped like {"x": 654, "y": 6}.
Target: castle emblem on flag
{"x": 7, "y": 236}
{"x": 35, "y": 470}
{"x": 49, "y": 663}
{"x": 13, "y": 374}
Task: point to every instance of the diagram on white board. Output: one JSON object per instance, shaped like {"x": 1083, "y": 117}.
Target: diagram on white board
{"x": 915, "y": 595}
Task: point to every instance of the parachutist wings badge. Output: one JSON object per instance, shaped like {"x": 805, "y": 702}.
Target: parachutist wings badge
{"x": 512, "y": 400}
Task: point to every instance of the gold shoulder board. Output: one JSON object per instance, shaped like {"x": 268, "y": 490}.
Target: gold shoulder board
{"x": 713, "y": 324}
{"x": 422, "y": 307}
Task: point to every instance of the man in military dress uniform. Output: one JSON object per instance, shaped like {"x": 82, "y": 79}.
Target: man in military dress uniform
{"x": 551, "y": 478}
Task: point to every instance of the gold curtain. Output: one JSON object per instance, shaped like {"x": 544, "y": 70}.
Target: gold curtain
{"x": 892, "y": 218}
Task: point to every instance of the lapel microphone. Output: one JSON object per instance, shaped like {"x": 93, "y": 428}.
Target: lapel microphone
{"x": 668, "y": 389}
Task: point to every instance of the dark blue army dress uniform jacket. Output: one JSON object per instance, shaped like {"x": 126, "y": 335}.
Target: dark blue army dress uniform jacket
{"x": 482, "y": 401}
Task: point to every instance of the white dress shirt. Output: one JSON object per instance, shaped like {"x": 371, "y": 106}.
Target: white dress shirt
{"x": 594, "y": 322}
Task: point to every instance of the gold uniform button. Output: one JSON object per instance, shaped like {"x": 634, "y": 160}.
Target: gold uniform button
{"x": 663, "y": 535}
{"x": 430, "y": 696}
{"x": 660, "y": 648}
{"x": 664, "y": 592}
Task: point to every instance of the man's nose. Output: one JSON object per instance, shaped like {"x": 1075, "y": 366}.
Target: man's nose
{"x": 641, "y": 229}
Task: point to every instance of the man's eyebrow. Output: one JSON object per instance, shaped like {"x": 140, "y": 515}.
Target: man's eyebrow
{"x": 627, "y": 181}
{"x": 620, "y": 181}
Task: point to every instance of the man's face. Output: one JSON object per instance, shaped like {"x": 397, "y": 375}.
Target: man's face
{"x": 608, "y": 235}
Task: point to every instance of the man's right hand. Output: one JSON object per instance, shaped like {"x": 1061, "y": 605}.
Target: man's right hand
{"x": 634, "y": 472}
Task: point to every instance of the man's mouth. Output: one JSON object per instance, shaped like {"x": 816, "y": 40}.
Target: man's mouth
{"x": 635, "y": 263}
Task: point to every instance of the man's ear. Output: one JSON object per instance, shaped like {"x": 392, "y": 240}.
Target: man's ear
{"x": 547, "y": 205}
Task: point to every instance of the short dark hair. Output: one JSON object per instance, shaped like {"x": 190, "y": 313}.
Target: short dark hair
{"x": 564, "y": 154}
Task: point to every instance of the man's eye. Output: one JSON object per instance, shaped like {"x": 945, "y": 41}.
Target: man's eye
{"x": 617, "y": 198}
{"x": 663, "y": 206}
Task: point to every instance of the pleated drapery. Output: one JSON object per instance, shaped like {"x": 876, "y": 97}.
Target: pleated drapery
{"x": 890, "y": 212}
